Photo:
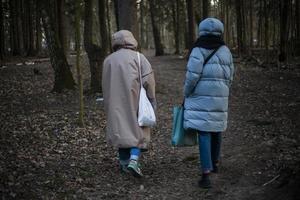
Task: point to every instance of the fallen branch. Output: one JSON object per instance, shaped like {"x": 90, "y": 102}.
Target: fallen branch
{"x": 270, "y": 181}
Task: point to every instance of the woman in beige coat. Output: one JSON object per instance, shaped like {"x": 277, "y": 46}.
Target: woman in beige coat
{"x": 121, "y": 87}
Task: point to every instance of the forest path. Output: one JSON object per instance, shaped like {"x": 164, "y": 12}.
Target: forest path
{"x": 44, "y": 155}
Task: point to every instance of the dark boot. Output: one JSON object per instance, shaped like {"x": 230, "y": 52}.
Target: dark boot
{"x": 205, "y": 181}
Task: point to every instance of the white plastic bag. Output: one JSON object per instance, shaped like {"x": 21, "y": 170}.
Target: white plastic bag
{"x": 146, "y": 114}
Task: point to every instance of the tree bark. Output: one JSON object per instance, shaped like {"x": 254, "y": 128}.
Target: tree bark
{"x": 78, "y": 67}
{"x": 2, "y": 40}
{"x": 284, "y": 5}
{"x": 159, "y": 50}
{"x": 297, "y": 27}
{"x": 205, "y": 8}
{"x": 175, "y": 16}
{"x": 31, "y": 28}
{"x": 142, "y": 23}
{"x": 103, "y": 27}
{"x": 62, "y": 73}
{"x": 266, "y": 16}
{"x": 116, "y": 9}
{"x": 127, "y": 16}
{"x": 108, "y": 28}
{"x": 24, "y": 23}
{"x": 38, "y": 27}
{"x": 239, "y": 27}
{"x": 96, "y": 54}
{"x": 251, "y": 25}
{"x": 227, "y": 24}
{"x": 259, "y": 28}
{"x": 61, "y": 19}
{"x": 16, "y": 27}
{"x": 191, "y": 23}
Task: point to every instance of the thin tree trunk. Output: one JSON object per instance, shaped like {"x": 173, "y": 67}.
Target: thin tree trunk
{"x": 227, "y": 24}
{"x": 298, "y": 19}
{"x": 191, "y": 23}
{"x": 205, "y": 8}
{"x": 2, "y": 40}
{"x": 142, "y": 23}
{"x": 16, "y": 24}
{"x": 62, "y": 73}
{"x": 175, "y": 17}
{"x": 177, "y": 37}
{"x": 61, "y": 19}
{"x": 103, "y": 28}
{"x": 244, "y": 27}
{"x": 266, "y": 14}
{"x": 239, "y": 26}
{"x": 78, "y": 67}
{"x": 108, "y": 25}
{"x": 31, "y": 28}
{"x": 24, "y": 39}
{"x": 251, "y": 26}
{"x": 38, "y": 27}
{"x": 116, "y": 6}
{"x": 297, "y": 9}
{"x": 284, "y": 5}
{"x": 159, "y": 51}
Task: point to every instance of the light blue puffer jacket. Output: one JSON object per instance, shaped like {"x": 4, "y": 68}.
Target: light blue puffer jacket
{"x": 206, "y": 107}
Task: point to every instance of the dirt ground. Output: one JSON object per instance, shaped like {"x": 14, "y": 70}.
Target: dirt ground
{"x": 44, "y": 155}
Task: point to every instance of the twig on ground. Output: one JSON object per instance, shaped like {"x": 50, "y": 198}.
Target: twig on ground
{"x": 270, "y": 181}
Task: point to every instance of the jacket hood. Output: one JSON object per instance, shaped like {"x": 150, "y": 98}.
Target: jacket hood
{"x": 123, "y": 39}
{"x": 211, "y": 26}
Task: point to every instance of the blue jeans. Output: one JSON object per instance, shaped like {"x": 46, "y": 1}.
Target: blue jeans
{"x": 209, "y": 147}
{"x": 125, "y": 154}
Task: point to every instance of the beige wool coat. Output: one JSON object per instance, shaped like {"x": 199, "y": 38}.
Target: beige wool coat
{"x": 121, "y": 87}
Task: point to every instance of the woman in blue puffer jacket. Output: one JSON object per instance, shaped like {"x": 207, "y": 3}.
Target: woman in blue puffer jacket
{"x": 206, "y": 92}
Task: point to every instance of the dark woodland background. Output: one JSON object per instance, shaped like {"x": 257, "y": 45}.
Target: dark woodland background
{"x": 52, "y": 123}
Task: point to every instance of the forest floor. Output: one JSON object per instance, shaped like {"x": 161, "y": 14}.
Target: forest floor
{"x": 45, "y": 155}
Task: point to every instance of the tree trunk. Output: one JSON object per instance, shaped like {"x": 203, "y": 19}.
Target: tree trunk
{"x": 61, "y": 19}
{"x": 297, "y": 52}
{"x": 95, "y": 53}
{"x": 177, "y": 37}
{"x": 159, "y": 51}
{"x": 103, "y": 28}
{"x": 284, "y": 5}
{"x": 16, "y": 27}
{"x": 175, "y": 16}
{"x": 38, "y": 27}
{"x": 31, "y": 28}
{"x": 239, "y": 27}
{"x": 62, "y": 72}
{"x": 191, "y": 23}
{"x": 127, "y": 16}
{"x": 2, "y": 40}
{"x": 142, "y": 23}
{"x": 251, "y": 26}
{"x": 108, "y": 26}
{"x": 205, "y": 8}
{"x": 116, "y": 6}
{"x": 227, "y": 24}
{"x": 266, "y": 14}
{"x": 25, "y": 26}
{"x": 78, "y": 67}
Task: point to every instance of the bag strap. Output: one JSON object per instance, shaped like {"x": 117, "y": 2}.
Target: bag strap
{"x": 139, "y": 69}
{"x": 204, "y": 63}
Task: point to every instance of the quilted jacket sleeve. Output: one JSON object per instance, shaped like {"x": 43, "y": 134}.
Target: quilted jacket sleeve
{"x": 194, "y": 69}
